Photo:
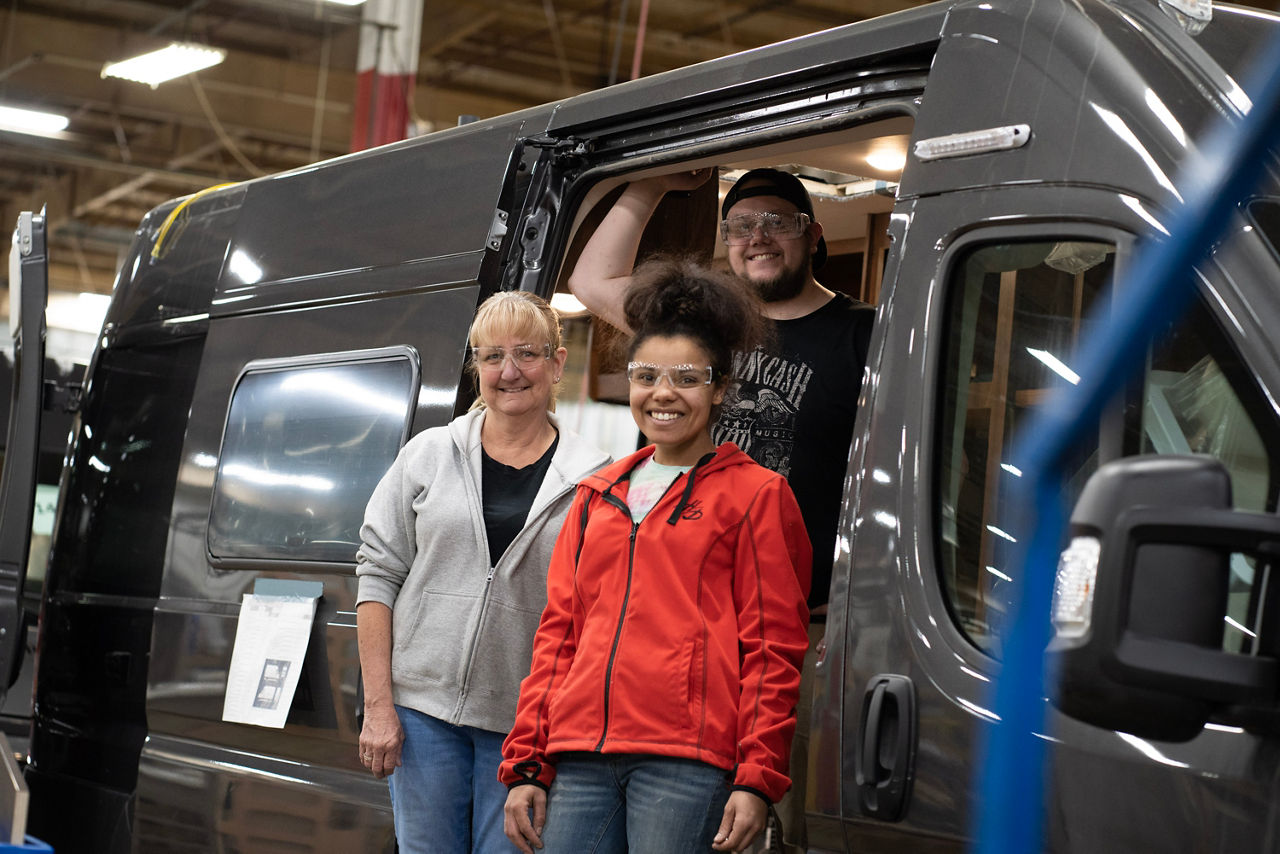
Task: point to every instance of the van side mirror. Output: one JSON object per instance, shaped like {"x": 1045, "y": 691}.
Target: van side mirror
{"x": 1141, "y": 594}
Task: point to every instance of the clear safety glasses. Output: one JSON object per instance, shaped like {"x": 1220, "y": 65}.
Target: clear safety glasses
{"x": 677, "y": 376}
{"x": 738, "y": 230}
{"x": 523, "y": 356}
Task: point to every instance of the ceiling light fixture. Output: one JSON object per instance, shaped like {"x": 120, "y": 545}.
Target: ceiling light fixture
{"x": 887, "y": 159}
{"x": 347, "y": 2}
{"x": 31, "y": 121}
{"x": 156, "y": 67}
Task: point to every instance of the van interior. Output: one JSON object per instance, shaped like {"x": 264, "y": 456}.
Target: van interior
{"x": 852, "y": 177}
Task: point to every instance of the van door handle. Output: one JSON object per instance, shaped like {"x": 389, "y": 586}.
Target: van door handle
{"x": 886, "y": 751}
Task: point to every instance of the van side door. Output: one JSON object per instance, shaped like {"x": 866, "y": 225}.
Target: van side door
{"x": 920, "y": 607}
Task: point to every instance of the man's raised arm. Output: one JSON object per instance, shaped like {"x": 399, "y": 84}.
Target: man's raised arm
{"x": 603, "y": 273}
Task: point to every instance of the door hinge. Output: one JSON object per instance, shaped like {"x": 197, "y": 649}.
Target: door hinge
{"x": 561, "y": 145}
{"x": 23, "y": 232}
{"x": 497, "y": 230}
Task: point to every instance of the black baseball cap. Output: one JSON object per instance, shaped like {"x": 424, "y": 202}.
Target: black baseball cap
{"x": 783, "y": 185}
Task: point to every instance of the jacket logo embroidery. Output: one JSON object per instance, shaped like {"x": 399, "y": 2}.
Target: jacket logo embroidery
{"x": 693, "y": 510}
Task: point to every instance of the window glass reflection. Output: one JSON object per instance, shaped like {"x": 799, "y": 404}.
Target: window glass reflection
{"x": 1016, "y": 314}
{"x": 1015, "y": 317}
{"x": 303, "y": 449}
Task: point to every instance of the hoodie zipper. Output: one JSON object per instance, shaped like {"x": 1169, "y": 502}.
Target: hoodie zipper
{"x": 465, "y": 687}
{"x": 609, "y": 497}
{"x": 622, "y": 615}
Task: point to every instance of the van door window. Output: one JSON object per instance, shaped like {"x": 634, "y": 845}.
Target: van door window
{"x": 1015, "y": 316}
{"x": 1197, "y": 399}
{"x": 1265, "y": 214}
{"x": 304, "y": 446}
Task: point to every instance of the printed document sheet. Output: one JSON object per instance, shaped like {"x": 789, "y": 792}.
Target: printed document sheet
{"x": 271, "y": 642}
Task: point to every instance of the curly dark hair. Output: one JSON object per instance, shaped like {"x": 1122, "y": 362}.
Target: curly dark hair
{"x": 677, "y": 296}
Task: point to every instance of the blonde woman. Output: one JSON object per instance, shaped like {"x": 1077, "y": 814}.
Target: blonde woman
{"x": 452, "y": 579}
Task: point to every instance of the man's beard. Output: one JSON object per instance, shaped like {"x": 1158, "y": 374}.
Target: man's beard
{"x": 784, "y": 286}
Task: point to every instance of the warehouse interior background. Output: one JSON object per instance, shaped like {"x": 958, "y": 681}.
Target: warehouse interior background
{"x": 285, "y": 95}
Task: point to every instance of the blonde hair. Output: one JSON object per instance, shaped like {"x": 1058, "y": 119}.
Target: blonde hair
{"x": 515, "y": 314}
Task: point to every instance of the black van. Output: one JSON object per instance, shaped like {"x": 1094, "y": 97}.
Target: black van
{"x": 270, "y": 345}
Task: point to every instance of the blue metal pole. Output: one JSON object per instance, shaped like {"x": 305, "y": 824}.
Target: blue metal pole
{"x": 1159, "y": 283}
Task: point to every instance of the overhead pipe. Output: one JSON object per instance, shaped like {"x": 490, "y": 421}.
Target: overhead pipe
{"x": 640, "y": 28}
{"x": 617, "y": 43}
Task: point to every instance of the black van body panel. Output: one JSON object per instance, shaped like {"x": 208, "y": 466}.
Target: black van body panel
{"x": 199, "y": 603}
{"x": 107, "y": 554}
{"x": 162, "y": 293}
{"x": 1075, "y": 79}
{"x": 377, "y": 260}
{"x": 105, "y": 569}
{"x": 372, "y": 225}
{"x": 396, "y": 246}
{"x": 844, "y": 52}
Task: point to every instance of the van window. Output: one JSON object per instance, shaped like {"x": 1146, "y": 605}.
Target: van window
{"x": 1265, "y": 214}
{"x": 1198, "y": 399}
{"x": 1015, "y": 315}
{"x": 304, "y": 446}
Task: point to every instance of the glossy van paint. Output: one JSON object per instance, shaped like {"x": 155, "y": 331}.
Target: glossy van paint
{"x": 396, "y": 246}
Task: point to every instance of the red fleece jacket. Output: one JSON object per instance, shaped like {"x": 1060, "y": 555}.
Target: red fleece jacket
{"x": 681, "y": 636}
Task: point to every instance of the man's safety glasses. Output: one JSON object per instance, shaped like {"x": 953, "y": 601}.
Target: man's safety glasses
{"x": 677, "y": 376}
{"x": 738, "y": 230}
{"x": 523, "y": 356}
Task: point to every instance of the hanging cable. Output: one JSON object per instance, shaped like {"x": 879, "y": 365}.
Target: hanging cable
{"x": 322, "y": 84}
{"x": 227, "y": 141}
{"x": 548, "y": 6}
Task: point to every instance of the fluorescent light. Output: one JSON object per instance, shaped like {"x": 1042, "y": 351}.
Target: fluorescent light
{"x": 156, "y": 67}
{"x": 1056, "y": 365}
{"x": 31, "y": 121}
{"x": 347, "y": 2}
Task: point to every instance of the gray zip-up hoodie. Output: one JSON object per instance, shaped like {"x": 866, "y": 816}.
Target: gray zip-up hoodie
{"x": 462, "y": 632}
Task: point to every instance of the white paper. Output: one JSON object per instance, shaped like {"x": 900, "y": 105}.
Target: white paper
{"x": 271, "y": 642}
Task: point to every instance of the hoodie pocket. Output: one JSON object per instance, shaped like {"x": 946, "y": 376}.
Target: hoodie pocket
{"x": 432, "y": 636}
{"x": 685, "y": 678}
{"x": 655, "y": 692}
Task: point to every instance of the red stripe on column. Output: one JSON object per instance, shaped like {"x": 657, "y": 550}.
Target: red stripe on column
{"x": 381, "y": 110}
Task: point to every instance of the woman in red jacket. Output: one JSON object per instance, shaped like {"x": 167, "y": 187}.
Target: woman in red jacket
{"x": 658, "y": 712}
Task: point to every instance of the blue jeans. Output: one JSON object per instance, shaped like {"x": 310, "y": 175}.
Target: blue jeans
{"x": 601, "y": 804}
{"x": 446, "y": 797}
